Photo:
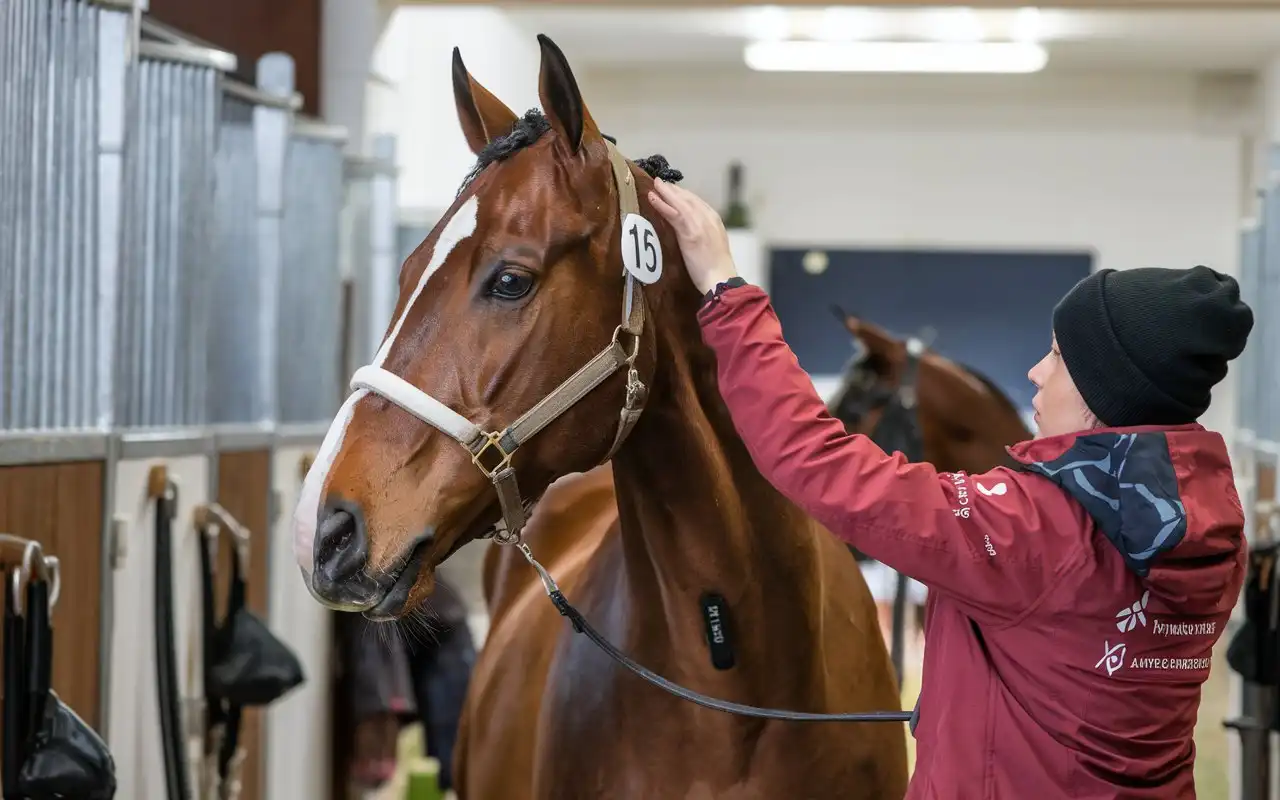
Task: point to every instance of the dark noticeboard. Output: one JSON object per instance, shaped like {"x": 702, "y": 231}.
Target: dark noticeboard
{"x": 991, "y": 310}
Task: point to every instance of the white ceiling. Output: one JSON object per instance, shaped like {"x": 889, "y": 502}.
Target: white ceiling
{"x": 1183, "y": 41}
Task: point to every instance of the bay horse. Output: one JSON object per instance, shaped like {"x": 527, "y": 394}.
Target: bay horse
{"x": 495, "y": 345}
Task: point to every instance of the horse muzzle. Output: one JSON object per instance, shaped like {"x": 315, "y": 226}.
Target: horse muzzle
{"x": 341, "y": 577}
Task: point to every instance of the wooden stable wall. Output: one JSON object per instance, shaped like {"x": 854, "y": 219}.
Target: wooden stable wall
{"x": 61, "y": 507}
{"x": 250, "y": 28}
{"x": 244, "y": 490}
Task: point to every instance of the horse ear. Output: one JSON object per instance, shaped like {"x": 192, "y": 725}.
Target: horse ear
{"x": 849, "y": 321}
{"x": 561, "y": 99}
{"x": 483, "y": 116}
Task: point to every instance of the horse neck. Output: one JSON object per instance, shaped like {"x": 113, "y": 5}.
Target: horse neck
{"x": 697, "y": 516}
{"x": 958, "y": 400}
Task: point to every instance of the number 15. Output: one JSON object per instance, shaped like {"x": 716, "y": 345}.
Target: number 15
{"x": 651, "y": 263}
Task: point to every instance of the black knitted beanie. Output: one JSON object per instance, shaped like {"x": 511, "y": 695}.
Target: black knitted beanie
{"x": 1146, "y": 346}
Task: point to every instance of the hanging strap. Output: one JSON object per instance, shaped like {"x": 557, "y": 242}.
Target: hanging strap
{"x": 224, "y": 718}
{"x": 39, "y": 656}
{"x": 15, "y": 642}
{"x": 168, "y": 696}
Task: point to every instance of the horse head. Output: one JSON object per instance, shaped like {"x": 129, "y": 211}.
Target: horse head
{"x": 965, "y": 421}
{"x": 514, "y": 297}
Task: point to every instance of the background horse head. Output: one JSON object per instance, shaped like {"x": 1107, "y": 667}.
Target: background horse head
{"x": 963, "y": 420}
{"x": 518, "y": 285}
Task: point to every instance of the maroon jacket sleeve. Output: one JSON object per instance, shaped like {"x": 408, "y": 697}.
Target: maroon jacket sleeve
{"x": 996, "y": 543}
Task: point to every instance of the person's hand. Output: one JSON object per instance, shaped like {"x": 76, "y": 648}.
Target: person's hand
{"x": 700, "y": 233}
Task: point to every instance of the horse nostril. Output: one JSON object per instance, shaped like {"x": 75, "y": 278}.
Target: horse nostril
{"x": 340, "y": 549}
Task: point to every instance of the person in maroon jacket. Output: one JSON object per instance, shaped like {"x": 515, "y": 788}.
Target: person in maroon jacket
{"x": 1075, "y": 597}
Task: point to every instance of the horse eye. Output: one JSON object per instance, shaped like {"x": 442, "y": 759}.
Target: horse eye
{"x": 511, "y": 284}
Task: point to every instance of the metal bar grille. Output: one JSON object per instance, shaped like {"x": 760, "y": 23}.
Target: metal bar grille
{"x": 245, "y": 296}
{"x": 57, "y": 66}
{"x": 167, "y": 231}
{"x": 154, "y": 260}
{"x": 311, "y": 386}
{"x": 370, "y": 229}
{"x": 235, "y": 297}
{"x": 357, "y": 253}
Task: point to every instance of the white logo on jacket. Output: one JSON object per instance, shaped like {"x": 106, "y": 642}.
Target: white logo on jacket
{"x": 962, "y": 495}
{"x": 1132, "y": 616}
{"x": 999, "y": 490}
{"x": 1113, "y": 658}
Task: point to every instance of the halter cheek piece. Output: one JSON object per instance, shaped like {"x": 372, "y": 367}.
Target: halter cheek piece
{"x": 498, "y": 447}
{"x": 505, "y": 442}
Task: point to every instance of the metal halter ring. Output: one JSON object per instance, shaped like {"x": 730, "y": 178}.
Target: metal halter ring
{"x": 48, "y": 568}
{"x": 55, "y": 571}
{"x": 635, "y": 342}
{"x": 502, "y": 536}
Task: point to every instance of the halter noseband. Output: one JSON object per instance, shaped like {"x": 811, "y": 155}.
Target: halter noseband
{"x": 504, "y": 443}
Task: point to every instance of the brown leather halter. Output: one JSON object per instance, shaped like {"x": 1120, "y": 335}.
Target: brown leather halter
{"x": 505, "y": 443}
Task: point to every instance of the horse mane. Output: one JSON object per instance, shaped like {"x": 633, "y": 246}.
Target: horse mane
{"x": 530, "y": 128}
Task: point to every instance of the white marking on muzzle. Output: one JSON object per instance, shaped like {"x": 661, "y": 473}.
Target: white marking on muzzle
{"x": 306, "y": 514}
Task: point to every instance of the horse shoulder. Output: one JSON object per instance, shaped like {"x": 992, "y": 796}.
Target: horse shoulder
{"x": 498, "y": 756}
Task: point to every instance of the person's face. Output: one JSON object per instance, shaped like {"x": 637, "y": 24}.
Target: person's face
{"x": 1059, "y": 407}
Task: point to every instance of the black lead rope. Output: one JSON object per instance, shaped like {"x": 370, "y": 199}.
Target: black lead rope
{"x": 15, "y": 642}
{"x": 39, "y": 658}
{"x": 581, "y": 626}
{"x": 177, "y": 782}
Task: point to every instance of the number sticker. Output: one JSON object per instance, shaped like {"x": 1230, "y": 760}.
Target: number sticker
{"x": 641, "y": 250}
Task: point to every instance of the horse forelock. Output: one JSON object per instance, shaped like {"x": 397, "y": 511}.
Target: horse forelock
{"x": 530, "y": 129}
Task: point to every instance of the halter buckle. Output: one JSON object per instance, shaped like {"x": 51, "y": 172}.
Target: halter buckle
{"x": 503, "y": 536}
{"x": 637, "y": 392}
{"x": 494, "y": 440}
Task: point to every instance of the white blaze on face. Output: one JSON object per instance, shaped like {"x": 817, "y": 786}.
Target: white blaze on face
{"x": 305, "y": 516}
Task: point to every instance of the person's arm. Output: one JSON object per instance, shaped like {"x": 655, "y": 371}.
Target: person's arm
{"x": 997, "y": 550}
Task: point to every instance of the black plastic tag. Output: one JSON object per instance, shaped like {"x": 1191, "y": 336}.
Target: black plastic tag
{"x": 715, "y": 612}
